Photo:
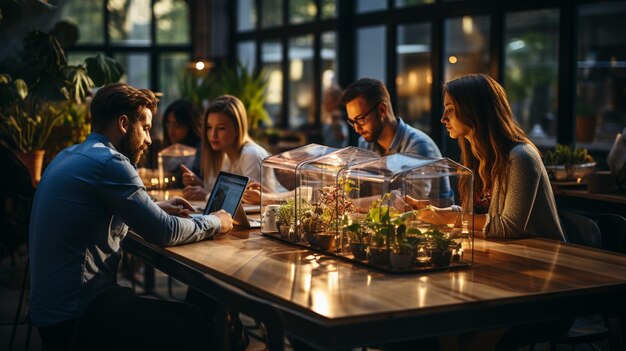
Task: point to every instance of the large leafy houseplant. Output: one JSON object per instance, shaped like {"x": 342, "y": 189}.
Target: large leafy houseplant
{"x": 45, "y": 90}
{"x": 234, "y": 80}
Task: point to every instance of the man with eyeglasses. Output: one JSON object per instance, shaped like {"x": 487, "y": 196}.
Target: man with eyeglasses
{"x": 371, "y": 115}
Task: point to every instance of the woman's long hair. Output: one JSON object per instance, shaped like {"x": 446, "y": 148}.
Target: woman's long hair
{"x": 233, "y": 108}
{"x": 481, "y": 104}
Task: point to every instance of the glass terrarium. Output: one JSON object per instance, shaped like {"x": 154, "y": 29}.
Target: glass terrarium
{"x": 300, "y": 191}
{"x": 169, "y": 161}
{"x": 408, "y": 213}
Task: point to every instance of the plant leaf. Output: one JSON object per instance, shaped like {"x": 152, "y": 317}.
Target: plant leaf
{"x": 103, "y": 70}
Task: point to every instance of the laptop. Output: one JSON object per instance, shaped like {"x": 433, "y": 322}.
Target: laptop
{"x": 227, "y": 193}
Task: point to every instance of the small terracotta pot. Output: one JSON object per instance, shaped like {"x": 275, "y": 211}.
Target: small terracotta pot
{"x": 34, "y": 163}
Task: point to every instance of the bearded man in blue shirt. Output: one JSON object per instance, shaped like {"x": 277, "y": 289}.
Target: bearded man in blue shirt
{"x": 87, "y": 198}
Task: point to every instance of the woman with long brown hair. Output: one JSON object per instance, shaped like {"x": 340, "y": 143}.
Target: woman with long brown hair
{"x": 512, "y": 194}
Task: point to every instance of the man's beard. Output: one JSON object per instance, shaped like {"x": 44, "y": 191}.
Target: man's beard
{"x": 132, "y": 146}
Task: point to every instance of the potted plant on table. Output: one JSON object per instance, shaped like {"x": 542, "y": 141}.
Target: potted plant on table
{"x": 441, "y": 246}
{"x": 565, "y": 163}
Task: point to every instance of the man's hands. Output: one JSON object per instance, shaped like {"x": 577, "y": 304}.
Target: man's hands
{"x": 193, "y": 185}
{"x": 226, "y": 221}
{"x": 176, "y": 206}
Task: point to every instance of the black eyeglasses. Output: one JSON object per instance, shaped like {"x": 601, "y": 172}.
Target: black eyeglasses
{"x": 360, "y": 120}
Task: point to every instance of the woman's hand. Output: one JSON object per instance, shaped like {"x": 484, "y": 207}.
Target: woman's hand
{"x": 252, "y": 194}
{"x": 195, "y": 192}
{"x": 176, "y": 206}
{"x": 190, "y": 178}
{"x": 437, "y": 215}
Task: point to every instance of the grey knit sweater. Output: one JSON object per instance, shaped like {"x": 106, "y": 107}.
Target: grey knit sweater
{"x": 526, "y": 206}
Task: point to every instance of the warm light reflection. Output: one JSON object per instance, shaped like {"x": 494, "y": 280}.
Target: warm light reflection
{"x": 274, "y": 87}
{"x": 412, "y": 80}
{"x": 429, "y": 77}
{"x": 468, "y": 25}
{"x": 327, "y": 78}
{"x": 320, "y": 302}
{"x": 333, "y": 281}
{"x": 369, "y": 280}
{"x": 200, "y": 65}
{"x": 307, "y": 282}
{"x": 296, "y": 69}
{"x": 399, "y": 81}
{"x": 292, "y": 269}
{"x": 452, "y": 59}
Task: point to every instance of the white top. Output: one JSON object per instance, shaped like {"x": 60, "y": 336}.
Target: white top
{"x": 249, "y": 164}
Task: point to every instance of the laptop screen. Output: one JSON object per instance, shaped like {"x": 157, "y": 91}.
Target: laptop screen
{"x": 227, "y": 193}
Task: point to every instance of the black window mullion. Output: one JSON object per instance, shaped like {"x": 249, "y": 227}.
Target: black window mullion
{"x": 317, "y": 78}
{"x": 391, "y": 59}
{"x": 568, "y": 38}
{"x": 284, "y": 117}
{"x": 437, "y": 76}
{"x": 496, "y": 46}
{"x": 154, "y": 81}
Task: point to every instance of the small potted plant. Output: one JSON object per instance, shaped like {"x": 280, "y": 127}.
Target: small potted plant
{"x": 314, "y": 226}
{"x": 359, "y": 240}
{"x": 565, "y": 163}
{"x": 403, "y": 252}
{"x": 286, "y": 215}
{"x": 441, "y": 247}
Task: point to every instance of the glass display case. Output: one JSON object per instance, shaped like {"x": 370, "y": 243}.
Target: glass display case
{"x": 409, "y": 213}
{"x": 297, "y": 187}
{"x": 398, "y": 213}
{"x": 169, "y": 161}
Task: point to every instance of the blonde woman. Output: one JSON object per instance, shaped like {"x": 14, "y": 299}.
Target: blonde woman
{"x": 226, "y": 146}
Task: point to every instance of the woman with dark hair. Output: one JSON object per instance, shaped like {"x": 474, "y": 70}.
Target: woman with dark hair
{"x": 226, "y": 146}
{"x": 181, "y": 124}
{"x": 512, "y": 195}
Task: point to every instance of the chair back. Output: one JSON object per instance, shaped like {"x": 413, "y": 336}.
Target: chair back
{"x": 580, "y": 229}
{"x": 613, "y": 229}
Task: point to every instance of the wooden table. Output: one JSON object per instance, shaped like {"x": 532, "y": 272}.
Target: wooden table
{"x": 331, "y": 303}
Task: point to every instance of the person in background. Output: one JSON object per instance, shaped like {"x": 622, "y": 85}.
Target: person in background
{"x": 370, "y": 113}
{"x": 87, "y": 198}
{"x": 181, "y": 125}
{"x": 226, "y": 146}
{"x": 334, "y": 127}
{"x": 512, "y": 193}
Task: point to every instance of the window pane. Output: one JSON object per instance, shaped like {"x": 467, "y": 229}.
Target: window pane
{"x": 466, "y": 46}
{"x": 329, "y": 59}
{"x": 370, "y": 48}
{"x": 370, "y": 5}
{"x": 403, "y": 3}
{"x": 272, "y": 13}
{"x": 301, "y": 11}
{"x": 272, "y": 56}
{"x": 246, "y": 15}
{"x": 329, "y": 9}
{"x": 601, "y": 86}
{"x": 531, "y": 71}
{"x": 300, "y": 81}
{"x": 89, "y": 17}
{"x": 246, "y": 54}
{"x": 171, "y": 66}
{"x": 172, "y": 22}
{"x": 130, "y": 22}
{"x": 414, "y": 79}
{"x": 137, "y": 68}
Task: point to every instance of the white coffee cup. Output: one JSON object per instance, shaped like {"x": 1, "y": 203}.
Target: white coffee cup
{"x": 269, "y": 219}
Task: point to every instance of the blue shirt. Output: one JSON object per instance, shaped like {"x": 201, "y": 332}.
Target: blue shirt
{"x": 407, "y": 140}
{"x": 83, "y": 204}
